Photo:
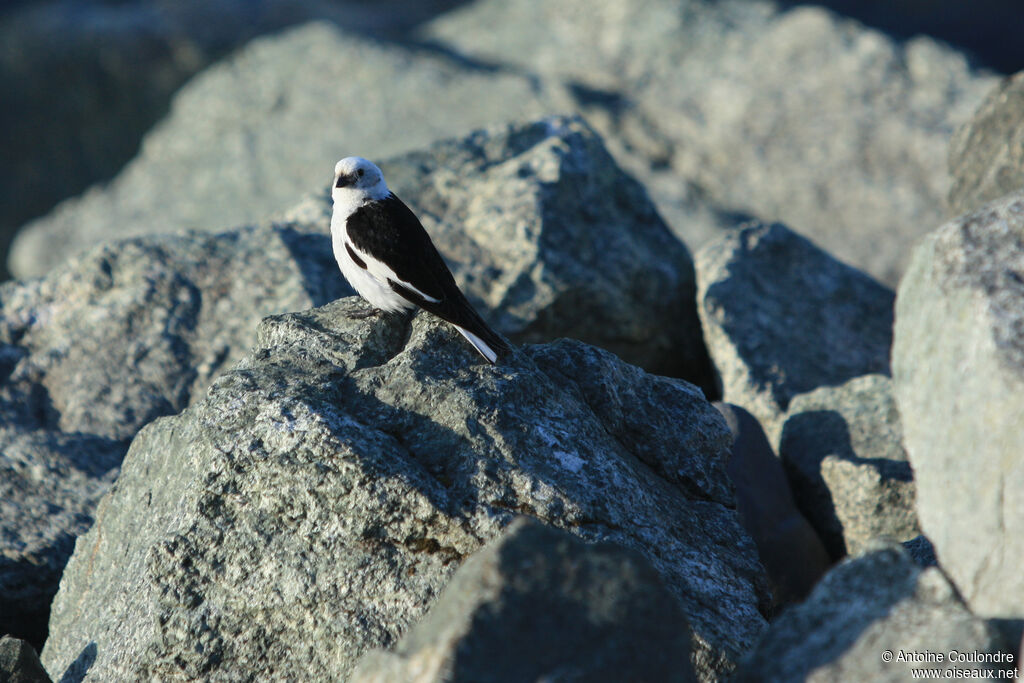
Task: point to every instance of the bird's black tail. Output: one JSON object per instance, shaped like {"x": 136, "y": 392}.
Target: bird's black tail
{"x": 457, "y": 310}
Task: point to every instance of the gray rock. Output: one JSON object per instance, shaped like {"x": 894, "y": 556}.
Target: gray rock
{"x": 252, "y": 134}
{"x": 958, "y": 373}
{"x": 104, "y": 345}
{"x": 738, "y": 106}
{"x": 75, "y": 109}
{"x": 538, "y": 604}
{"x": 790, "y": 549}
{"x": 866, "y": 607}
{"x": 19, "y": 663}
{"x": 501, "y": 201}
{"x": 136, "y": 330}
{"x": 314, "y": 504}
{"x": 842, "y": 449}
{"x": 986, "y": 156}
{"x": 781, "y": 317}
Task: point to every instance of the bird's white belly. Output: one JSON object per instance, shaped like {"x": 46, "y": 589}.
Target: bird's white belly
{"x": 378, "y": 292}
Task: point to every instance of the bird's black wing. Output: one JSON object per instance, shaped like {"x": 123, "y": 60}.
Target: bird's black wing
{"x": 390, "y": 232}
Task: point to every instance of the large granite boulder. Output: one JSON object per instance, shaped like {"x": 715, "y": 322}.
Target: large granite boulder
{"x": 83, "y": 80}
{"x": 250, "y": 135}
{"x": 876, "y": 618}
{"x": 986, "y": 156}
{"x": 793, "y": 115}
{"x": 314, "y": 504}
{"x": 958, "y": 372}
{"x": 138, "y": 329}
{"x": 781, "y": 317}
{"x": 842, "y": 449}
{"x": 539, "y": 604}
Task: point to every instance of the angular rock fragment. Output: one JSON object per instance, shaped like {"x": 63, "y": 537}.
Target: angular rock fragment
{"x": 781, "y": 317}
{"x": 19, "y": 663}
{"x": 842, "y": 448}
{"x": 958, "y": 373}
{"x": 875, "y": 618}
{"x": 986, "y": 156}
{"x": 538, "y": 604}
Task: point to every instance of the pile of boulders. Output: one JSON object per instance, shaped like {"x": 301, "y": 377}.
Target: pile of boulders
{"x": 754, "y": 460}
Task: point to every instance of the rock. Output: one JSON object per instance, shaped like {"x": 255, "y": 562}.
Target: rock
{"x": 781, "y": 317}
{"x": 75, "y": 109}
{"x": 958, "y": 373}
{"x": 842, "y": 449}
{"x": 500, "y": 201}
{"x": 986, "y": 156}
{"x": 315, "y": 503}
{"x": 869, "y": 608}
{"x": 19, "y": 663}
{"x": 252, "y": 134}
{"x": 791, "y": 115}
{"x": 538, "y": 604}
{"x": 138, "y": 329}
{"x": 790, "y": 549}
{"x": 101, "y": 347}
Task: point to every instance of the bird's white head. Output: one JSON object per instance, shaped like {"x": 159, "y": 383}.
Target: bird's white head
{"x": 356, "y": 178}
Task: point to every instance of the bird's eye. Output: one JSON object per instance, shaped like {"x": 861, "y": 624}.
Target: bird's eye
{"x": 359, "y": 173}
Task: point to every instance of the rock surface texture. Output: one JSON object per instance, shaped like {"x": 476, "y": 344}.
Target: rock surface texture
{"x": 539, "y": 604}
{"x": 101, "y": 347}
{"x": 252, "y": 134}
{"x": 138, "y": 329}
{"x": 19, "y": 663}
{"x": 781, "y": 317}
{"x": 317, "y": 500}
{"x": 721, "y": 109}
{"x": 842, "y": 448}
{"x": 986, "y": 156}
{"x": 958, "y": 371}
{"x": 75, "y": 108}
{"x": 879, "y": 603}
{"x": 791, "y": 115}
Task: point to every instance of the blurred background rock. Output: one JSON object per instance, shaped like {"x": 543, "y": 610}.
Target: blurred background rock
{"x": 82, "y": 81}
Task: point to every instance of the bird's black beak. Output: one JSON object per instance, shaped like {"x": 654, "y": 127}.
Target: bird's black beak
{"x": 345, "y": 180}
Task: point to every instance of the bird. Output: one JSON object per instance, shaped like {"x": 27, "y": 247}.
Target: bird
{"x": 389, "y": 259}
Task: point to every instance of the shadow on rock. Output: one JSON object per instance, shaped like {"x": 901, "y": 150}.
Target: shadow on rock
{"x": 790, "y": 550}
{"x": 78, "y": 669}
